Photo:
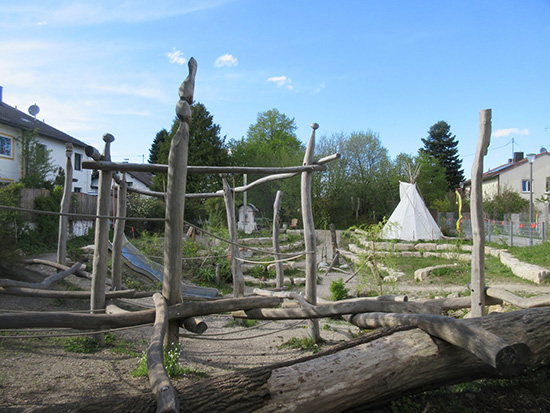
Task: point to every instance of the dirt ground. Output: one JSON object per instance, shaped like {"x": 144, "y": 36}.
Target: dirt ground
{"x": 38, "y": 375}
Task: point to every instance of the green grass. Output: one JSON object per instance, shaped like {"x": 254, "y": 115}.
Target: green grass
{"x": 537, "y": 254}
{"x": 304, "y": 344}
{"x": 241, "y": 322}
{"x": 171, "y": 363}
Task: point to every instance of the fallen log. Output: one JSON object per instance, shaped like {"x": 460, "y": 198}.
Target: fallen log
{"x": 80, "y": 321}
{"x": 352, "y": 306}
{"x": 373, "y": 369}
{"x": 37, "y": 261}
{"x": 33, "y": 292}
{"x": 483, "y": 344}
{"x": 46, "y": 282}
{"x": 500, "y": 294}
{"x": 164, "y": 391}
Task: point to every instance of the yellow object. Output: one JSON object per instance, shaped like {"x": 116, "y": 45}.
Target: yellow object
{"x": 459, "y": 202}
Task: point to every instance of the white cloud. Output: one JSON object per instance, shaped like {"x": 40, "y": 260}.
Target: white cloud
{"x": 512, "y": 131}
{"x": 42, "y": 23}
{"x": 226, "y": 60}
{"x": 176, "y": 57}
{"x": 282, "y": 81}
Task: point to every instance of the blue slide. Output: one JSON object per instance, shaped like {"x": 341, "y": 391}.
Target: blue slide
{"x": 138, "y": 262}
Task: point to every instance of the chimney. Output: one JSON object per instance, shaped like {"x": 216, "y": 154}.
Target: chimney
{"x": 518, "y": 156}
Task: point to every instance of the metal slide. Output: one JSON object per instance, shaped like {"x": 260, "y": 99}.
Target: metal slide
{"x": 138, "y": 262}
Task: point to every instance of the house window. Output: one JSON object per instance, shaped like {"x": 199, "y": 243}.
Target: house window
{"x": 525, "y": 185}
{"x": 6, "y": 146}
{"x": 77, "y": 189}
{"x": 77, "y": 162}
{"x": 547, "y": 189}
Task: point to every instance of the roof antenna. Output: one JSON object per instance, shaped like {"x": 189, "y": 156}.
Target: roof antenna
{"x": 33, "y": 110}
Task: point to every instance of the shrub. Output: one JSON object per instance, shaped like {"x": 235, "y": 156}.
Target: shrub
{"x": 338, "y": 290}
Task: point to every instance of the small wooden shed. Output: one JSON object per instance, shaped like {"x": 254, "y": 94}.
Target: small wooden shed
{"x": 247, "y": 221}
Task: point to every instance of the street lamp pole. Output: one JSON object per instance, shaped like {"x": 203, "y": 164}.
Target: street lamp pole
{"x": 531, "y": 159}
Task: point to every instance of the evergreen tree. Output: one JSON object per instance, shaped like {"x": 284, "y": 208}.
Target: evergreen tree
{"x": 160, "y": 138}
{"x": 206, "y": 148}
{"x": 442, "y": 145}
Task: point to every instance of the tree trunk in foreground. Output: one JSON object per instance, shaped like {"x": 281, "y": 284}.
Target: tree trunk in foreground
{"x": 375, "y": 368}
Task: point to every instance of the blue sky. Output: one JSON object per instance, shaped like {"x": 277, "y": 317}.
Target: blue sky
{"x": 394, "y": 67}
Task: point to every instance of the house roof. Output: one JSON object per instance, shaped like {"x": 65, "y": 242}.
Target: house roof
{"x": 20, "y": 120}
{"x": 499, "y": 170}
{"x": 145, "y": 177}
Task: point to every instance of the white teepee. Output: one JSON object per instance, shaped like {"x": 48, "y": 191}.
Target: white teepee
{"x": 411, "y": 220}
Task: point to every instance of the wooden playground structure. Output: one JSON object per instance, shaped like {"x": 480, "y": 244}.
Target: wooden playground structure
{"x": 412, "y": 339}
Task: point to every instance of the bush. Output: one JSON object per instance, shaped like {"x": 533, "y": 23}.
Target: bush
{"x": 339, "y": 290}
{"x": 508, "y": 202}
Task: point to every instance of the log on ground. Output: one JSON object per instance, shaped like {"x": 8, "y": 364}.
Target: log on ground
{"x": 375, "y": 368}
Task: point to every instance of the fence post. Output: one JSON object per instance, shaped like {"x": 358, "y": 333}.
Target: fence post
{"x": 175, "y": 204}
{"x": 101, "y": 250}
{"x": 118, "y": 237}
{"x": 65, "y": 205}
{"x": 511, "y": 233}
{"x": 309, "y": 235}
{"x": 478, "y": 251}
{"x": 276, "y": 246}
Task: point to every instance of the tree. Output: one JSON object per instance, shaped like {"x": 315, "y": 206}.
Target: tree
{"x": 160, "y": 138}
{"x": 358, "y": 184}
{"x": 36, "y": 162}
{"x": 507, "y": 202}
{"x": 206, "y": 148}
{"x": 271, "y": 141}
{"x": 442, "y": 145}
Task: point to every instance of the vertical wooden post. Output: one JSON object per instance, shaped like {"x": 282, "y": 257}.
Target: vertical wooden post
{"x": 477, "y": 284}
{"x": 309, "y": 234}
{"x": 334, "y": 240}
{"x": 118, "y": 237}
{"x": 65, "y": 205}
{"x": 236, "y": 267}
{"x": 276, "y": 245}
{"x": 101, "y": 242}
{"x": 175, "y": 203}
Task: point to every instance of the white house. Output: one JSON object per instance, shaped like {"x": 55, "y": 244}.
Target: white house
{"x": 515, "y": 175}
{"x": 134, "y": 179}
{"x": 247, "y": 219}
{"x": 13, "y": 123}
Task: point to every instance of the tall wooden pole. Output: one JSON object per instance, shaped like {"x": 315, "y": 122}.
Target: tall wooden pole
{"x": 309, "y": 235}
{"x": 65, "y": 205}
{"x": 236, "y": 267}
{"x": 477, "y": 284}
{"x": 101, "y": 242}
{"x": 276, "y": 245}
{"x": 118, "y": 237}
{"x": 175, "y": 203}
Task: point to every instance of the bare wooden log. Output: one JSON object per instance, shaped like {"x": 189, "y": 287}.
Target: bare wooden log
{"x": 485, "y": 345}
{"x": 309, "y": 234}
{"x": 101, "y": 241}
{"x": 334, "y": 243}
{"x": 80, "y": 321}
{"x": 118, "y": 236}
{"x": 279, "y": 270}
{"x": 284, "y": 294}
{"x": 65, "y": 205}
{"x": 32, "y": 292}
{"x": 353, "y": 306}
{"x": 236, "y": 267}
{"x": 377, "y": 367}
{"x": 193, "y": 325}
{"x": 175, "y": 200}
{"x": 155, "y": 168}
{"x": 46, "y": 283}
{"x": 521, "y": 302}
{"x": 478, "y": 225}
{"x": 165, "y": 393}
{"x": 36, "y": 261}
{"x": 447, "y": 304}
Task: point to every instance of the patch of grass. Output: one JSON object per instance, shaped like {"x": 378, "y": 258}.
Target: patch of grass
{"x": 171, "y": 363}
{"x": 85, "y": 344}
{"x": 304, "y": 344}
{"x": 241, "y": 322}
{"x": 537, "y": 254}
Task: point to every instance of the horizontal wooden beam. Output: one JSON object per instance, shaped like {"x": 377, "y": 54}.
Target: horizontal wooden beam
{"x": 144, "y": 167}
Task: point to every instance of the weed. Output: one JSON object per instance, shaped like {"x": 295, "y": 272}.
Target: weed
{"x": 242, "y": 322}
{"x": 304, "y": 344}
{"x": 171, "y": 364}
{"x": 338, "y": 290}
